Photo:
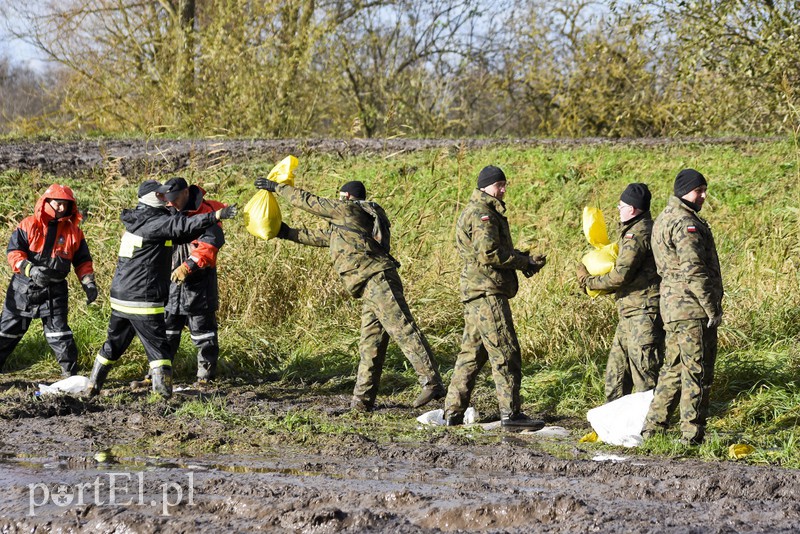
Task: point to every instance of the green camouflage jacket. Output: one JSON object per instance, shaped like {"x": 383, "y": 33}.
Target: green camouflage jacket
{"x": 484, "y": 243}
{"x": 356, "y": 256}
{"x": 686, "y": 257}
{"x": 634, "y": 278}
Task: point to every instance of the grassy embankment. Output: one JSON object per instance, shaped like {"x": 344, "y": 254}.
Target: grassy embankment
{"x": 285, "y": 316}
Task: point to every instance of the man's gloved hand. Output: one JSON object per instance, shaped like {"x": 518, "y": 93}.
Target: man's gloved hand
{"x": 535, "y": 264}
{"x": 90, "y": 288}
{"x": 582, "y": 274}
{"x": 228, "y": 212}
{"x": 180, "y": 273}
{"x": 266, "y": 184}
{"x": 283, "y": 233}
{"x": 715, "y": 321}
{"x": 44, "y": 276}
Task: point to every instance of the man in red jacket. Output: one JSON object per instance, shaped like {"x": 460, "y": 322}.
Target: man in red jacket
{"x": 41, "y": 252}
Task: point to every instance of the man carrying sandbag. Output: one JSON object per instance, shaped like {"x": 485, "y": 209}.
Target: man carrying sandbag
{"x": 358, "y": 239}
{"x": 691, "y": 306}
{"x": 140, "y": 286}
{"x": 194, "y": 292}
{"x": 488, "y": 281}
{"x": 638, "y": 346}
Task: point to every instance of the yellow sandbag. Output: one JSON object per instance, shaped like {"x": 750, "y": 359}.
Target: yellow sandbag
{"x": 601, "y": 260}
{"x": 598, "y": 262}
{"x": 594, "y": 227}
{"x": 262, "y": 214}
{"x": 740, "y": 450}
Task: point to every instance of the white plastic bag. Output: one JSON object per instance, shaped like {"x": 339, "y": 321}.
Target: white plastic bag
{"x": 620, "y": 422}
{"x": 436, "y": 417}
{"x": 73, "y": 384}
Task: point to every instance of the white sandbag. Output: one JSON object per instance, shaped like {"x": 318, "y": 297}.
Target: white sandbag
{"x": 73, "y": 384}
{"x": 436, "y": 417}
{"x": 620, "y": 422}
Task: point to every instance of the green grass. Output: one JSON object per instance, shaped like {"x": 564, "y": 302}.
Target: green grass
{"x": 284, "y": 315}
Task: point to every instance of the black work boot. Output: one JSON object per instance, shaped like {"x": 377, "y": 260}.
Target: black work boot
{"x": 429, "y": 393}
{"x": 162, "y": 380}
{"x": 358, "y": 404}
{"x": 517, "y": 422}
{"x": 455, "y": 419}
{"x": 97, "y": 378}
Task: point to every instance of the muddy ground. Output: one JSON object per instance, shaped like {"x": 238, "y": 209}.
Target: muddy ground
{"x": 168, "y": 155}
{"x": 257, "y": 461}
{"x": 173, "y": 471}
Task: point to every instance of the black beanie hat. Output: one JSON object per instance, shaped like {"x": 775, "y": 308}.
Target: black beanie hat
{"x": 356, "y": 189}
{"x": 637, "y": 195}
{"x": 490, "y": 175}
{"x": 688, "y": 180}
{"x": 148, "y": 186}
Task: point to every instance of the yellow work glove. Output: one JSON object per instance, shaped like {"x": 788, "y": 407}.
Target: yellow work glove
{"x": 179, "y": 274}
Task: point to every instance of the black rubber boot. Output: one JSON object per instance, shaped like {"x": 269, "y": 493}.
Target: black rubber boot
{"x": 97, "y": 378}
{"x": 429, "y": 393}
{"x": 162, "y": 380}
{"x": 519, "y": 421}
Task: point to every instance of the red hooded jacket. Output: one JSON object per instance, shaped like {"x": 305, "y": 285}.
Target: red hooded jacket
{"x": 44, "y": 240}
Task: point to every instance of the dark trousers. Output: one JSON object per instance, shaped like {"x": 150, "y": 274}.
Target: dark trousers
{"x": 150, "y": 330}
{"x": 203, "y": 332}
{"x": 56, "y": 331}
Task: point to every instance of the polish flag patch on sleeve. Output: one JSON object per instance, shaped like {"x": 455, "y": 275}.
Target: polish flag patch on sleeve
{"x": 629, "y": 236}
{"x": 691, "y": 229}
{"x": 484, "y": 218}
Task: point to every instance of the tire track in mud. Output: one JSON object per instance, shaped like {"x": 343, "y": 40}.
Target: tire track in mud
{"x": 127, "y": 157}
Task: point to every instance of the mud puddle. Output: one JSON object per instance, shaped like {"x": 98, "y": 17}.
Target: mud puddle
{"x": 279, "y": 458}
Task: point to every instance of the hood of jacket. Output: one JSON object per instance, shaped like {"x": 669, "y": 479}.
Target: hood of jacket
{"x": 44, "y": 213}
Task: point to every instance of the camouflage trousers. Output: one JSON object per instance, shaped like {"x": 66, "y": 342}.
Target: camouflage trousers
{"x": 489, "y": 335}
{"x": 636, "y": 355}
{"x": 685, "y": 378}
{"x": 385, "y": 313}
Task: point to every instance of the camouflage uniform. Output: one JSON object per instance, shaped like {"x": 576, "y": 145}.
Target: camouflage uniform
{"x": 488, "y": 281}
{"x": 691, "y": 293}
{"x": 367, "y": 271}
{"x": 638, "y": 346}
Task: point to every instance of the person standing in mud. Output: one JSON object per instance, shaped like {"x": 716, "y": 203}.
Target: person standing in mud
{"x": 140, "y": 286}
{"x": 42, "y": 250}
{"x": 638, "y": 346}
{"x": 368, "y": 270}
{"x": 193, "y": 293}
{"x": 488, "y": 281}
{"x": 691, "y": 306}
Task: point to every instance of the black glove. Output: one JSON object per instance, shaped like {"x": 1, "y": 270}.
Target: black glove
{"x": 535, "y": 265}
{"x": 228, "y": 212}
{"x": 283, "y": 233}
{"x": 715, "y": 321}
{"x": 266, "y": 184}
{"x": 44, "y": 276}
{"x": 89, "y": 287}
{"x": 583, "y": 274}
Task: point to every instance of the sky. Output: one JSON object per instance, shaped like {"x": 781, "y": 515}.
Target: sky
{"x": 20, "y": 52}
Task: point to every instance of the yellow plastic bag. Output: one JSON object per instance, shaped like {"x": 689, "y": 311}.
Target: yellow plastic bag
{"x": 602, "y": 259}
{"x": 591, "y": 437}
{"x": 594, "y": 227}
{"x": 740, "y": 450}
{"x": 262, "y": 214}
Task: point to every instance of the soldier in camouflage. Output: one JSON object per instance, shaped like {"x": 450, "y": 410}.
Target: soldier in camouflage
{"x": 368, "y": 271}
{"x": 691, "y": 306}
{"x": 638, "y": 346}
{"x": 488, "y": 281}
